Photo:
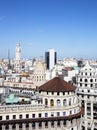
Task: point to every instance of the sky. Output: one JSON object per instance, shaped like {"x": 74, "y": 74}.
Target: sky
{"x": 68, "y": 26}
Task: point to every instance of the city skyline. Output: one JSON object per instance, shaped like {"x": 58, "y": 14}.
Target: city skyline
{"x": 68, "y": 26}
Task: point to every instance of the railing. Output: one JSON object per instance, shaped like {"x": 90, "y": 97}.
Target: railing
{"x": 24, "y": 108}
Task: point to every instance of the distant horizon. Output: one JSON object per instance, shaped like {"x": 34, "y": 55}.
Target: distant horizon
{"x": 68, "y": 26}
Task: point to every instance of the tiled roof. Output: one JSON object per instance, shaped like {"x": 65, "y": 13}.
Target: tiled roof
{"x": 57, "y": 85}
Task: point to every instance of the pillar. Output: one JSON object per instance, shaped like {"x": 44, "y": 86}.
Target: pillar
{"x": 10, "y": 127}
{"x": 3, "y": 127}
{"x": 17, "y": 126}
{"x": 30, "y": 126}
{"x": 23, "y": 126}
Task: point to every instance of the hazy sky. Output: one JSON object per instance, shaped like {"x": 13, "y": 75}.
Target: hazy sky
{"x": 68, "y": 26}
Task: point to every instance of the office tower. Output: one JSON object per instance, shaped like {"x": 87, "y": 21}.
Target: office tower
{"x": 50, "y": 58}
{"x": 18, "y": 52}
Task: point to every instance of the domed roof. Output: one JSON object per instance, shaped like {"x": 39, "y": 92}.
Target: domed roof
{"x": 57, "y": 85}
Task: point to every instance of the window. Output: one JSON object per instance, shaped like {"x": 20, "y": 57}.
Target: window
{"x": 70, "y": 112}
{"x": 33, "y": 115}
{"x": 20, "y": 116}
{"x": 39, "y": 115}
{"x": 58, "y": 102}
{"x": 58, "y": 113}
{"x": 85, "y": 80}
{"x": 64, "y": 102}
{"x": 46, "y": 114}
{"x": 7, "y": 117}
{"x": 46, "y": 102}
{"x": 51, "y": 102}
{"x": 91, "y": 85}
{"x": 27, "y": 115}
{"x": 70, "y": 101}
{"x": 64, "y": 113}
{"x": 0, "y": 117}
{"x": 91, "y": 80}
{"x": 14, "y": 116}
{"x": 80, "y": 80}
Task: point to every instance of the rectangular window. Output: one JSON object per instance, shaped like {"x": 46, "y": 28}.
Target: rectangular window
{"x": 33, "y": 115}
{"x": 70, "y": 112}
{"x": 58, "y": 113}
{"x": 0, "y": 117}
{"x": 27, "y": 115}
{"x": 20, "y": 116}
{"x": 39, "y": 115}
{"x": 7, "y": 117}
{"x": 64, "y": 113}
{"x": 14, "y": 116}
{"x": 46, "y": 114}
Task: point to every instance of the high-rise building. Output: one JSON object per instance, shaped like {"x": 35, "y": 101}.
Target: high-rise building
{"x": 50, "y": 58}
{"x": 18, "y": 52}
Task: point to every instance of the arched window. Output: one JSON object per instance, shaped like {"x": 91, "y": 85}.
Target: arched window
{"x": 85, "y": 80}
{"x": 46, "y": 102}
{"x": 64, "y": 102}
{"x": 91, "y": 80}
{"x": 51, "y": 102}
{"x": 70, "y": 101}
{"x": 58, "y": 102}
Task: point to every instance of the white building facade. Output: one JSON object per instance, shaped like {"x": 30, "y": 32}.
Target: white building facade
{"x": 87, "y": 91}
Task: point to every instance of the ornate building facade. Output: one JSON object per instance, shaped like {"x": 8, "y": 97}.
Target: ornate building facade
{"x": 57, "y": 108}
{"x": 87, "y": 92}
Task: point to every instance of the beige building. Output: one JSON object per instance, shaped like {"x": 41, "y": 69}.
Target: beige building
{"x": 39, "y": 74}
{"x": 57, "y": 109}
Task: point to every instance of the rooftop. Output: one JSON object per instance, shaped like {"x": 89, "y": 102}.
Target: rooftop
{"x": 57, "y": 85}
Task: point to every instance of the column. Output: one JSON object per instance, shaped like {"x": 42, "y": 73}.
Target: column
{"x": 30, "y": 126}
{"x": 3, "y": 127}
{"x": 17, "y": 126}
{"x": 55, "y": 125}
{"x": 43, "y": 125}
{"x": 61, "y": 124}
{"x": 36, "y": 126}
{"x": 49, "y": 124}
{"x": 10, "y": 127}
{"x": 68, "y": 123}
{"x": 23, "y": 126}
